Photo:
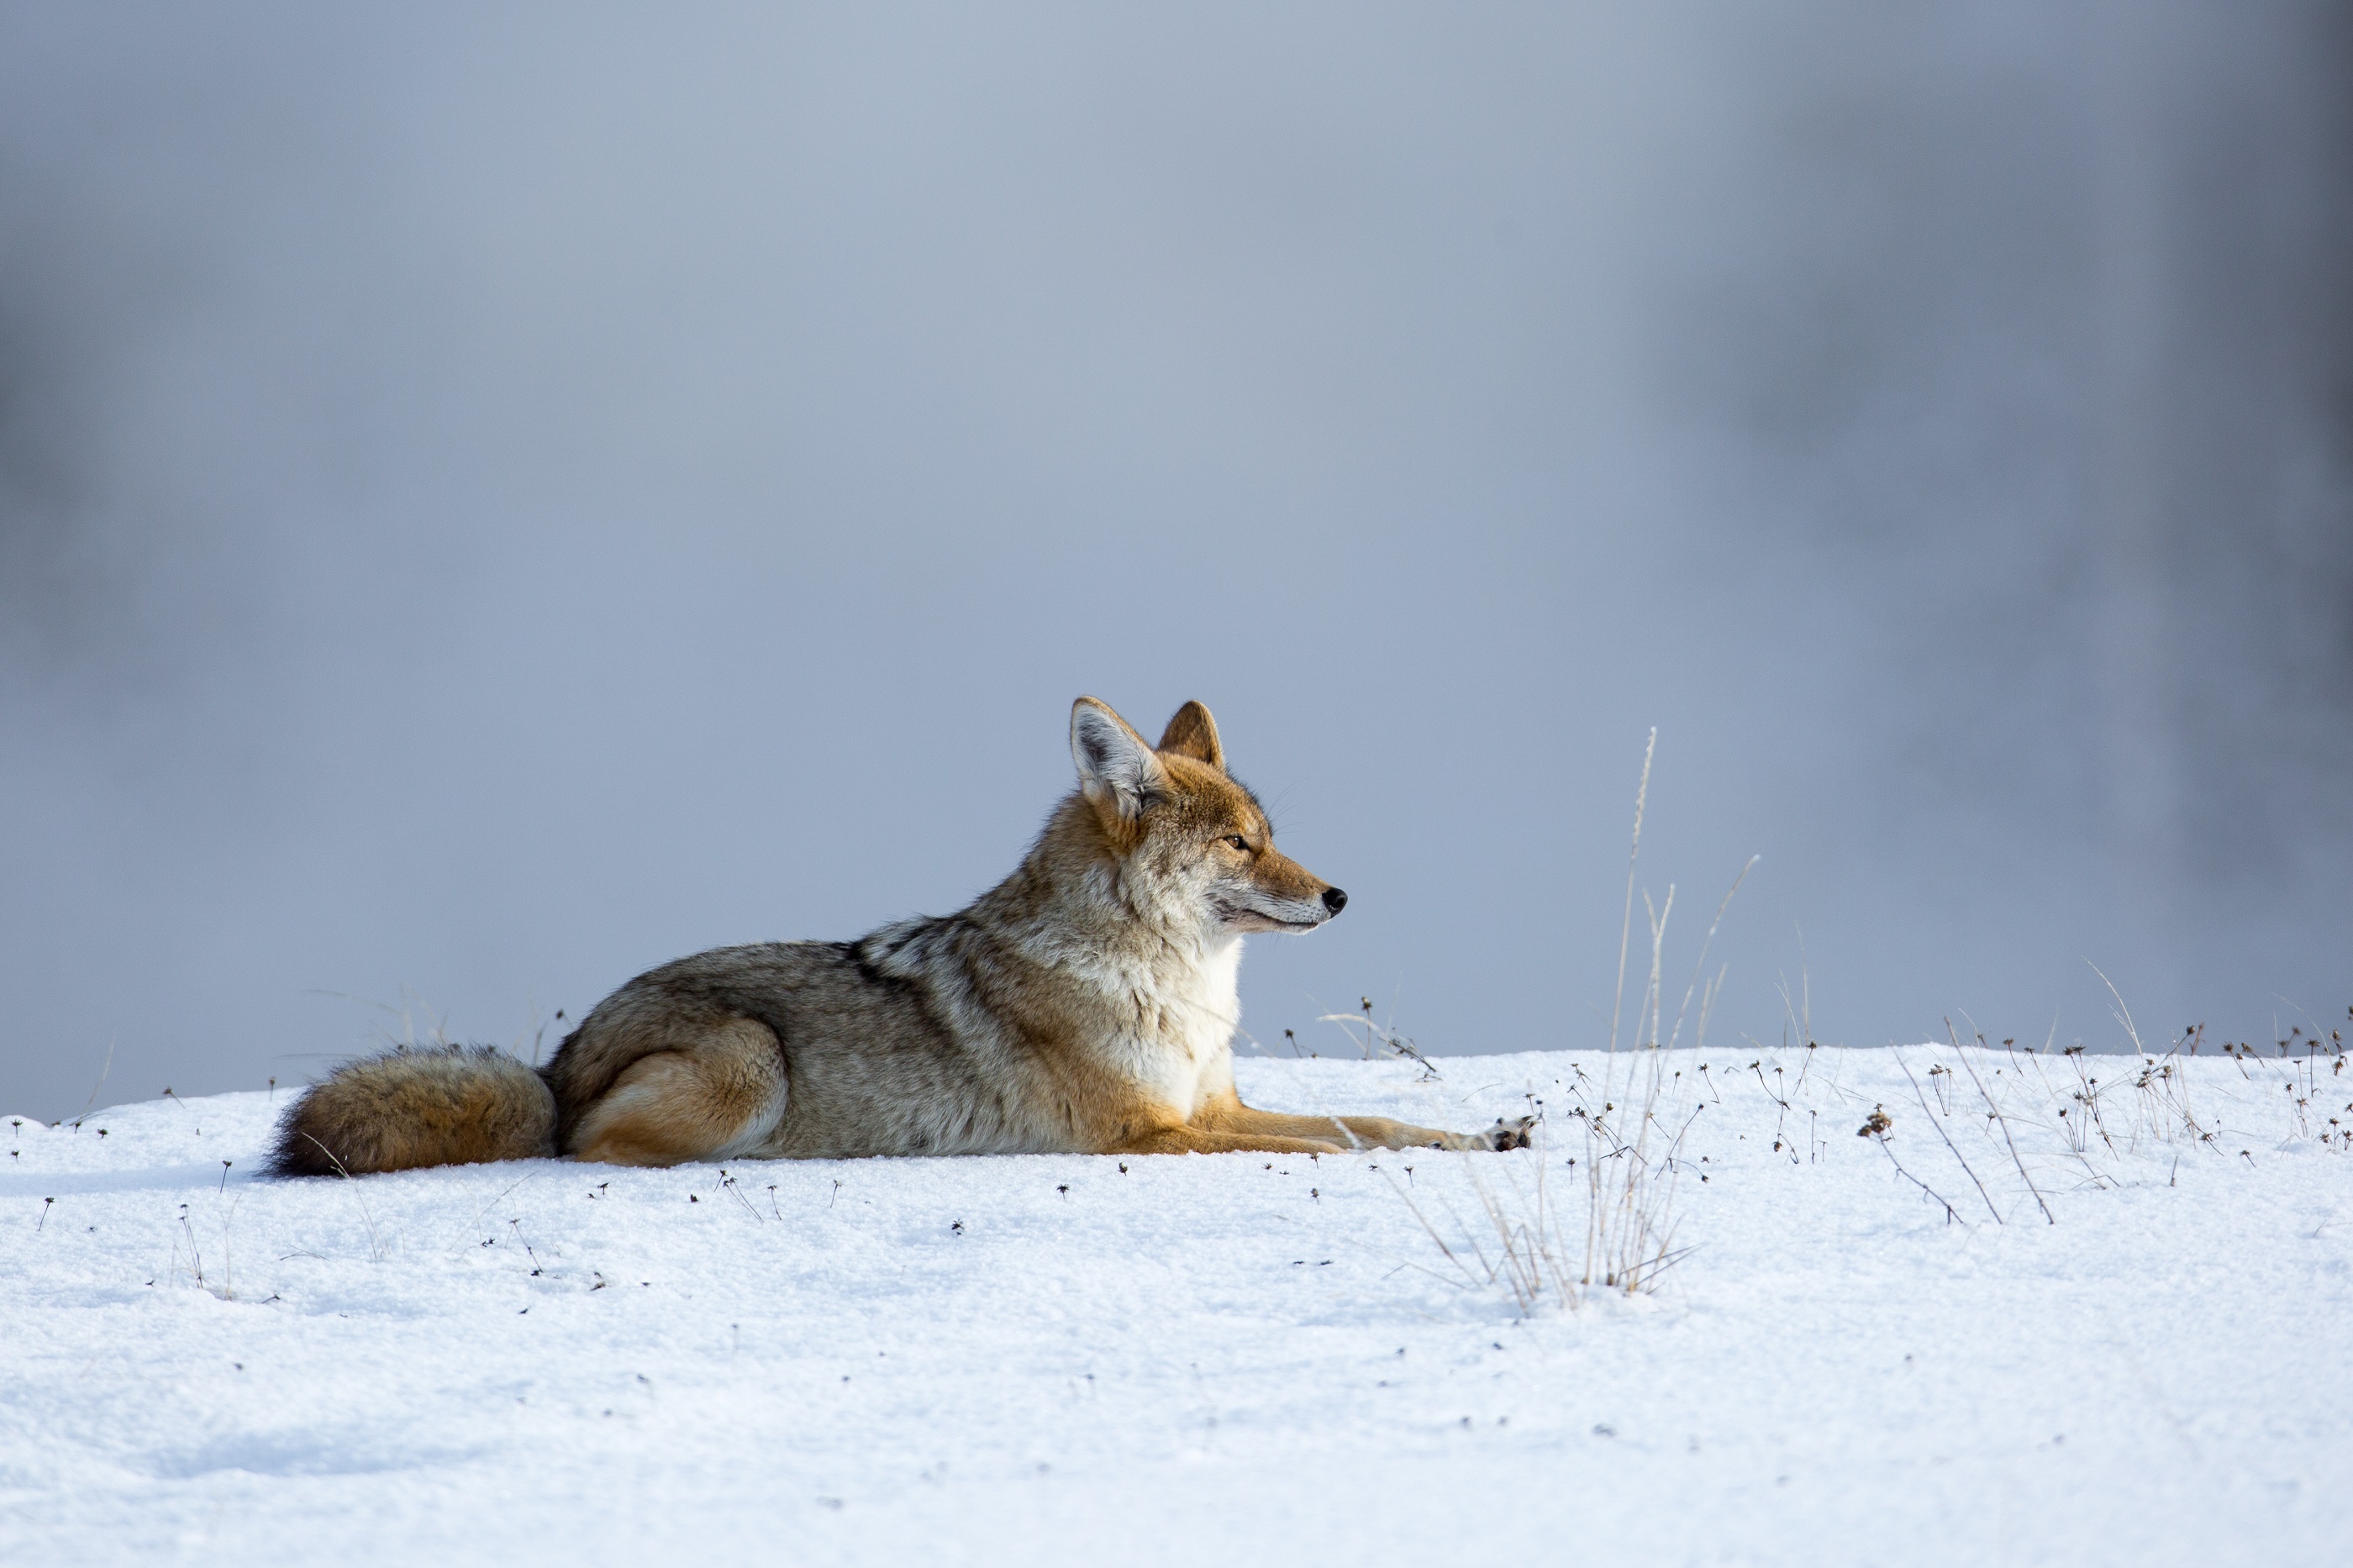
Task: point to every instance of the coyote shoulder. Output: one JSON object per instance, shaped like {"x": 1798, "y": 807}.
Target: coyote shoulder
{"x": 1085, "y": 1005}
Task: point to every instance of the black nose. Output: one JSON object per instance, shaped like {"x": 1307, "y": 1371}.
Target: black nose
{"x": 1335, "y": 899}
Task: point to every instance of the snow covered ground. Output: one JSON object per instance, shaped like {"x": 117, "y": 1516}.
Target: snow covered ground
{"x": 1189, "y": 1359}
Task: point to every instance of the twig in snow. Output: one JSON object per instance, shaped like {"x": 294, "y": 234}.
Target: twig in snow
{"x": 1939, "y": 1126}
{"x": 1875, "y": 1129}
{"x": 375, "y": 1242}
{"x": 1995, "y": 1111}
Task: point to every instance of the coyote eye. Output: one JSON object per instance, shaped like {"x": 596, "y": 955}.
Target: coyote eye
{"x": 1238, "y": 842}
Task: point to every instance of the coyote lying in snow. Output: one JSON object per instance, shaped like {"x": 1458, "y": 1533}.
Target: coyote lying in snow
{"x": 1085, "y": 1005}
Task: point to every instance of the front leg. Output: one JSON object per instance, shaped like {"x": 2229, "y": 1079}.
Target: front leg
{"x": 1363, "y": 1132}
{"x": 1196, "y": 1139}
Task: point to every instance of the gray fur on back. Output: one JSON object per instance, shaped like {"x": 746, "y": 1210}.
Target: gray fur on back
{"x": 886, "y": 1044}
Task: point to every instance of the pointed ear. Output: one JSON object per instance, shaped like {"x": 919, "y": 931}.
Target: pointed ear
{"x": 1116, "y": 769}
{"x": 1193, "y": 733}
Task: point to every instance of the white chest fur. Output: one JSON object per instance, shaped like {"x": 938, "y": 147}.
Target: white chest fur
{"x": 1185, "y": 1012}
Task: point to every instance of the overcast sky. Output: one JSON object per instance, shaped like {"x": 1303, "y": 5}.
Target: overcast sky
{"x": 489, "y": 504}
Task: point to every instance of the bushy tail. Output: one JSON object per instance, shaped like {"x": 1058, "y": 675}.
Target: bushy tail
{"x": 448, "y": 1105}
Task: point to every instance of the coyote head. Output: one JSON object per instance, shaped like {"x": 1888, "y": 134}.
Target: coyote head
{"x": 1194, "y": 846}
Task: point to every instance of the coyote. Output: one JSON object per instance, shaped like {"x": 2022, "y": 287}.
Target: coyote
{"x": 1085, "y": 1005}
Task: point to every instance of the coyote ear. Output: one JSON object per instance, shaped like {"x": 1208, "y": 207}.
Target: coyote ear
{"x": 1193, "y": 733}
{"x": 1115, "y": 767}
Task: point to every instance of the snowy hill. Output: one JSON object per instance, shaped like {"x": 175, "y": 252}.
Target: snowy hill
{"x": 1238, "y": 1358}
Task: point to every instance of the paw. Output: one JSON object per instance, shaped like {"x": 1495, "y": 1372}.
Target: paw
{"x": 1520, "y": 1132}
{"x": 1514, "y": 1134}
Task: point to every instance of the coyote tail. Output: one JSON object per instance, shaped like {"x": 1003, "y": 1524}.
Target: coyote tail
{"x": 409, "y": 1107}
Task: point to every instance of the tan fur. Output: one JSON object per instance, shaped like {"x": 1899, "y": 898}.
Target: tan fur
{"x": 435, "y": 1106}
{"x": 1086, "y": 1003}
{"x": 719, "y": 1094}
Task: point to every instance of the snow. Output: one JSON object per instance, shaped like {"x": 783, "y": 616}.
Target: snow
{"x": 1044, "y": 1359}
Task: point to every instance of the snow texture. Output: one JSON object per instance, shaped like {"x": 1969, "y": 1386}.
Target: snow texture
{"x": 1186, "y": 1359}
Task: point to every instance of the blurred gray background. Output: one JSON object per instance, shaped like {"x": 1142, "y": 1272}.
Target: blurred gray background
{"x": 490, "y": 501}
